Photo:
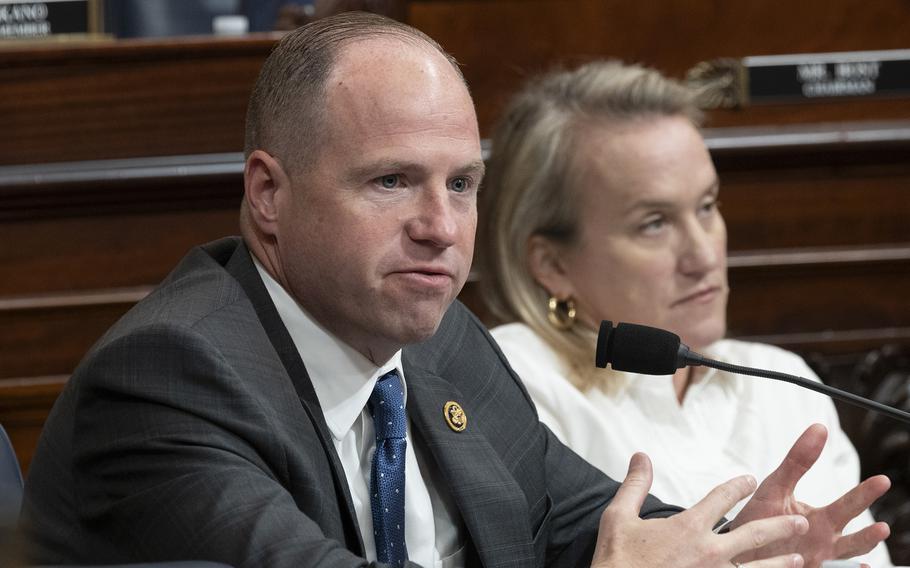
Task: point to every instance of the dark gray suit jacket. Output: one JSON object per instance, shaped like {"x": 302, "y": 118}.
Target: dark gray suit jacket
{"x": 191, "y": 431}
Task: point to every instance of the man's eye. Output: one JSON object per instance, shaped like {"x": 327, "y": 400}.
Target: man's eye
{"x": 389, "y": 181}
{"x": 460, "y": 185}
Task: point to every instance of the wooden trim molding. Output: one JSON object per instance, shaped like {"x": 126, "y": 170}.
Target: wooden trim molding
{"x": 67, "y": 300}
{"x": 899, "y": 253}
{"x": 215, "y": 180}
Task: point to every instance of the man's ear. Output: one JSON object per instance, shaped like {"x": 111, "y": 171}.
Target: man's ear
{"x": 547, "y": 267}
{"x": 265, "y": 183}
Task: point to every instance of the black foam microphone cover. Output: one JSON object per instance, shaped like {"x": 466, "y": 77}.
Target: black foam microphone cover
{"x": 637, "y": 348}
{"x": 604, "y": 351}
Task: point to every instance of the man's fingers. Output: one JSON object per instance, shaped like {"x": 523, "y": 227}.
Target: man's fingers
{"x": 857, "y": 500}
{"x": 799, "y": 459}
{"x": 861, "y": 541}
{"x": 621, "y": 515}
{"x": 721, "y": 499}
{"x": 626, "y": 504}
{"x": 631, "y": 494}
{"x": 758, "y": 534}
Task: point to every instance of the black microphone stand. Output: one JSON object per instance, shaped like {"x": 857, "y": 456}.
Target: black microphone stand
{"x": 692, "y": 358}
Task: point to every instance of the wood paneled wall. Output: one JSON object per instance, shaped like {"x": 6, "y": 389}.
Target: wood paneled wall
{"x": 67, "y": 102}
{"x": 501, "y": 43}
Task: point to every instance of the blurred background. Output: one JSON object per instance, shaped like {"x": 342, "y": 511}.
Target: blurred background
{"x": 167, "y": 18}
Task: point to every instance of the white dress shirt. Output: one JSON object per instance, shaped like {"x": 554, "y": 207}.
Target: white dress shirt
{"x": 727, "y": 425}
{"x": 343, "y": 380}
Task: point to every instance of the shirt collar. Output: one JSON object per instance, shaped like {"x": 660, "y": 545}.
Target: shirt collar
{"x": 342, "y": 377}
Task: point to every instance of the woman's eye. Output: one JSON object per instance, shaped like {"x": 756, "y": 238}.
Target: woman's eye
{"x": 653, "y": 225}
{"x": 710, "y": 206}
{"x": 389, "y": 181}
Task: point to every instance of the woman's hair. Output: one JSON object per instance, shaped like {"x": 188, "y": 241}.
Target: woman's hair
{"x": 530, "y": 187}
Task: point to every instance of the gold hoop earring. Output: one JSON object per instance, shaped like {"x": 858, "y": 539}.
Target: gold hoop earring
{"x": 561, "y": 314}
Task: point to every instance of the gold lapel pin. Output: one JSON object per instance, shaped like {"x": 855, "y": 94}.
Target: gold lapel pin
{"x": 455, "y": 416}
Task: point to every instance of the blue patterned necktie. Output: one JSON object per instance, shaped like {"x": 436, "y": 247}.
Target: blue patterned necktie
{"x": 387, "y": 476}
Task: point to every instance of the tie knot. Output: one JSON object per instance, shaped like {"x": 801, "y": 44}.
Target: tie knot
{"x": 387, "y": 407}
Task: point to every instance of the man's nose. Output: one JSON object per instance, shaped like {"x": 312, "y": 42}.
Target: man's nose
{"x": 435, "y": 220}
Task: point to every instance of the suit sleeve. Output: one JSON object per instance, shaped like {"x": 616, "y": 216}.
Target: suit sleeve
{"x": 178, "y": 458}
{"x": 578, "y": 493}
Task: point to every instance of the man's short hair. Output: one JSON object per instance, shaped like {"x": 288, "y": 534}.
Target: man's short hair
{"x": 286, "y": 112}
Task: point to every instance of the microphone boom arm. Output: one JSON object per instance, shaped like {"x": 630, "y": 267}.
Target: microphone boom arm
{"x": 693, "y": 358}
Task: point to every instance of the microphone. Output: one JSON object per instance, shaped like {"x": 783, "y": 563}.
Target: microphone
{"x": 653, "y": 351}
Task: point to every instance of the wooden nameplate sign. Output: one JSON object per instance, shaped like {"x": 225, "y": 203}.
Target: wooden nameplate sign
{"x": 727, "y": 83}
{"x": 49, "y": 20}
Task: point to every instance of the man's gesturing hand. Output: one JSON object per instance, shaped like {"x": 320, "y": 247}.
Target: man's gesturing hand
{"x": 687, "y": 539}
{"x": 824, "y": 540}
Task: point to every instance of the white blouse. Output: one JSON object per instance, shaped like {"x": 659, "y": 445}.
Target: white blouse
{"x": 727, "y": 425}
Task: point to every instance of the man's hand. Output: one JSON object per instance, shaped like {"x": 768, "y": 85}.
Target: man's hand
{"x": 686, "y": 540}
{"x": 824, "y": 540}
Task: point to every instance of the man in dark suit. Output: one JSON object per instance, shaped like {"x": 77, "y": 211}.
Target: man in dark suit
{"x": 313, "y": 395}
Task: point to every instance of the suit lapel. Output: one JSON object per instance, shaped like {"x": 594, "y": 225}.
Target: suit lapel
{"x": 241, "y": 267}
{"x": 491, "y": 503}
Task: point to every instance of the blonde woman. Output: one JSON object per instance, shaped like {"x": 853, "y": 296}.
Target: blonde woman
{"x": 601, "y": 202}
